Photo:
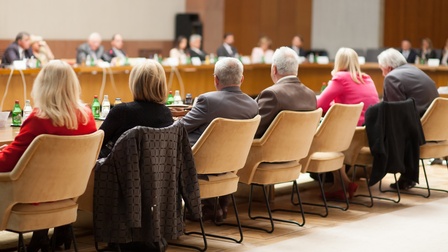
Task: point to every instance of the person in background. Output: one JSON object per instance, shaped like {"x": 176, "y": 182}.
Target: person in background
{"x": 227, "y": 102}
{"x": 147, "y": 83}
{"x": 117, "y": 48}
{"x": 18, "y": 50}
{"x": 444, "y": 57}
{"x": 427, "y": 52}
{"x": 296, "y": 45}
{"x": 287, "y": 93}
{"x": 227, "y": 49}
{"x": 403, "y": 81}
{"x": 51, "y": 115}
{"x": 348, "y": 86}
{"x": 180, "y": 48}
{"x": 262, "y": 53}
{"x": 41, "y": 50}
{"x": 406, "y": 49}
{"x": 195, "y": 47}
{"x": 92, "y": 48}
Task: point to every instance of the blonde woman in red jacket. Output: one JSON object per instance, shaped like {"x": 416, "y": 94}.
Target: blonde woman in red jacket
{"x": 58, "y": 110}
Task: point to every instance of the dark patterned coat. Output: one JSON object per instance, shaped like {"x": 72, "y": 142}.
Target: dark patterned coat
{"x": 139, "y": 187}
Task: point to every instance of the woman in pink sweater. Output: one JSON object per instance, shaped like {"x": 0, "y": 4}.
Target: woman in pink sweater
{"x": 348, "y": 86}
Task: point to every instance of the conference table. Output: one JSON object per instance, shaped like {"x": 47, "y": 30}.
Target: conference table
{"x": 195, "y": 80}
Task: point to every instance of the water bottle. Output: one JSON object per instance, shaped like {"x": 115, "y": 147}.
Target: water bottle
{"x": 177, "y": 98}
{"x": 16, "y": 114}
{"x": 105, "y": 106}
{"x": 117, "y": 101}
{"x": 170, "y": 99}
{"x": 96, "y": 107}
{"x": 27, "y": 109}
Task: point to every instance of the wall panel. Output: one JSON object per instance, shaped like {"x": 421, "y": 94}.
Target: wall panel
{"x": 414, "y": 20}
{"x": 280, "y": 20}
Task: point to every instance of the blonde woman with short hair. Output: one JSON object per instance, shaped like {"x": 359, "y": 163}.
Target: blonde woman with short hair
{"x": 58, "y": 110}
{"x": 147, "y": 83}
{"x": 348, "y": 86}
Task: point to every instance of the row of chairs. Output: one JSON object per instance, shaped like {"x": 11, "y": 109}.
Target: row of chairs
{"x": 290, "y": 146}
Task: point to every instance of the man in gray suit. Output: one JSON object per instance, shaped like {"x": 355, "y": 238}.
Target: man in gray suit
{"x": 228, "y": 102}
{"x": 288, "y": 93}
{"x": 92, "y": 48}
{"x": 403, "y": 81}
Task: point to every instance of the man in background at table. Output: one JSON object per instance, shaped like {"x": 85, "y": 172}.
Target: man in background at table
{"x": 297, "y": 46}
{"x": 227, "y": 49}
{"x": 18, "y": 50}
{"x": 403, "y": 81}
{"x": 92, "y": 48}
{"x": 288, "y": 93}
{"x": 195, "y": 47}
{"x": 117, "y": 47}
{"x": 407, "y": 51}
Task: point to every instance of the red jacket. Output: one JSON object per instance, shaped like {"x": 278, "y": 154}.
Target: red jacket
{"x": 31, "y": 128}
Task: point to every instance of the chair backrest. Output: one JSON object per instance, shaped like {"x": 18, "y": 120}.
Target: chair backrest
{"x": 435, "y": 120}
{"x": 289, "y": 136}
{"x": 336, "y": 130}
{"x": 55, "y": 168}
{"x": 372, "y": 55}
{"x": 224, "y": 145}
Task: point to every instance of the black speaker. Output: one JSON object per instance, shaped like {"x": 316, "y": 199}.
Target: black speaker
{"x": 187, "y": 24}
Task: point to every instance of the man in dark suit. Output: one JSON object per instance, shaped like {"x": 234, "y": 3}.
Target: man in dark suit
{"x": 117, "y": 48}
{"x": 407, "y": 51}
{"x": 227, "y": 102}
{"x": 297, "y": 46}
{"x": 195, "y": 47}
{"x": 288, "y": 93}
{"x": 18, "y": 50}
{"x": 403, "y": 81}
{"x": 227, "y": 49}
{"x": 92, "y": 48}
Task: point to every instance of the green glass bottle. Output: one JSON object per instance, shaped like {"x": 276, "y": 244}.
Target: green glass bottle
{"x": 170, "y": 99}
{"x": 96, "y": 107}
{"x": 16, "y": 114}
{"x": 324, "y": 86}
{"x": 38, "y": 63}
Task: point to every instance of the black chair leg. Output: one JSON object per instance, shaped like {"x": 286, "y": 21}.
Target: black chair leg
{"x": 325, "y": 203}
{"x": 397, "y": 191}
{"x": 428, "y": 188}
{"x": 21, "y": 244}
{"x": 368, "y": 188}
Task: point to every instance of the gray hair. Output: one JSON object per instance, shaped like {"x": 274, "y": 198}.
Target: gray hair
{"x": 391, "y": 58}
{"x": 194, "y": 37}
{"x": 94, "y": 36}
{"x": 229, "y": 71}
{"x": 286, "y": 60}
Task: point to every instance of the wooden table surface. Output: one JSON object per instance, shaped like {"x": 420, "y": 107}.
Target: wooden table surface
{"x": 188, "y": 79}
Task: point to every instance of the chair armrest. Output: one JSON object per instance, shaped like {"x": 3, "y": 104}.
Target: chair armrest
{"x": 5, "y": 176}
{"x": 257, "y": 142}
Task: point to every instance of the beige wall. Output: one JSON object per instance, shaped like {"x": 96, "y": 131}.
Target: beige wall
{"x": 71, "y": 20}
{"x": 347, "y": 23}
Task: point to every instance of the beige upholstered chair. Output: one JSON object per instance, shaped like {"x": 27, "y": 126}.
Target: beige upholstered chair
{"x": 274, "y": 158}
{"x": 332, "y": 138}
{"x": 434, "y": 124}
{"x": 358, "y": 155}
{"x": 52, "y": 172}
{"x": 221, "y": 151}
{"x": 436, "y": 136}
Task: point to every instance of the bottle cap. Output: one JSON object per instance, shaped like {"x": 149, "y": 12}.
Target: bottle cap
{"x": 95, "y": 96}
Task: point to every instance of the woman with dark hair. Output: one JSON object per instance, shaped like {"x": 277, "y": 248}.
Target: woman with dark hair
{"x": 179, "y": 49}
